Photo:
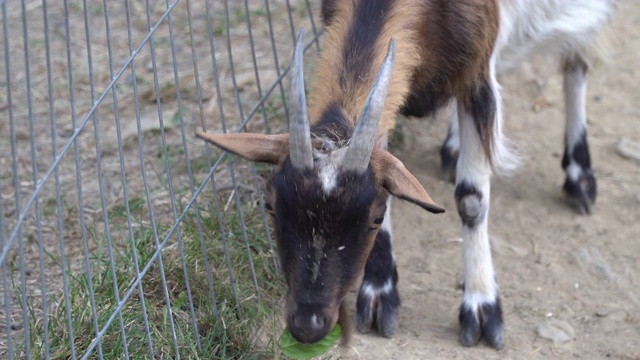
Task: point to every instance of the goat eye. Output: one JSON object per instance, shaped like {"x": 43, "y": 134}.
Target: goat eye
{"x": 378, "y": 221}
{"x": 268, "y": 206}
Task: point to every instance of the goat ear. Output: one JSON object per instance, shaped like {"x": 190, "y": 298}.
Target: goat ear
{"x": 271, "y": 149}
{"x": 401, "y": 183}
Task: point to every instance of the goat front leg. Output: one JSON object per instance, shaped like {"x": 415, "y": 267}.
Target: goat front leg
{"x": 480, "y": 311}
{"x": 378, "y": 299}
{"x": 580, "y": 184}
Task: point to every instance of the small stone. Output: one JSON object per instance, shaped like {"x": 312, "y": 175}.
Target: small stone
{"x": 628, "y": 148}
{"x": 592, "y": 260}
{"x": 555, "y": 330}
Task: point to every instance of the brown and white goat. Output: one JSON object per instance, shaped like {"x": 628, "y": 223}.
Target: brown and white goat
{"x": 329, "y": 194}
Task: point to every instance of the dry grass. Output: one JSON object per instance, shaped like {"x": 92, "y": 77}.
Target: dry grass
{"x": 176, "y": 156}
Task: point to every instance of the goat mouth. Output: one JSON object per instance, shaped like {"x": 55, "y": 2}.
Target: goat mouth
{"x": 311, "y": 341}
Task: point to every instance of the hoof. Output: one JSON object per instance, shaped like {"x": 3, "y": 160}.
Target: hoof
{"x": 482, "y": 321}
{"x": 581, "y": 193}
{"x": 378, "y": 309}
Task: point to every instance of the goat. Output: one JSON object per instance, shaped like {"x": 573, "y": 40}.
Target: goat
{"x": 329, "y": 195}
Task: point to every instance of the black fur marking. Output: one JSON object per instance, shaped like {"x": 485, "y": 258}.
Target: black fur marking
{"x": 425, "y": 100}
{"x": 333, "y": 124}
{"x": 488, "y": 324}
{"x": 380, "y": 265}
{"x": 304, "y": 213}
{"x": 342, "y": 80}
{"x": 580, "y": 192}
{"x": 482, "y": 105}
{"x": 579, "y": 153}
{"x": 471, "y": 212}
{"x": 448, "y": 159}
{"x": 359, "y": 51}
{"x": 381, "y": 312}
{"x": 328, "y": 11}
{"x": 565, "y": 159}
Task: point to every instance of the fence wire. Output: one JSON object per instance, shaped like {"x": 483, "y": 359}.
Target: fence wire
{"x": 121, "y": 235}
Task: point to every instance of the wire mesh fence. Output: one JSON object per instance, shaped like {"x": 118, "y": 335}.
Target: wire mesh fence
{"x": 121, "y": 235}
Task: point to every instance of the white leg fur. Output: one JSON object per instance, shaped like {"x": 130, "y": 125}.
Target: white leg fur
{"x": 387, "y": 226}
{"x": 373, "y": 292}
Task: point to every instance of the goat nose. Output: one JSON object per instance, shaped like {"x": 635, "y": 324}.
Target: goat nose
{"x": 308, "y": 328}
{"x": 318, "y": 323}
{"x": 313, "y": 322}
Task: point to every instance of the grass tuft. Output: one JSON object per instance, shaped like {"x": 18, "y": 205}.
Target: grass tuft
{"x": 225, "y": 331}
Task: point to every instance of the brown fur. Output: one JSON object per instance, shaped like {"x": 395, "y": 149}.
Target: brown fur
{"x": 400, "y": 182}
{"x": 443, "y": 49}
{"x": 255, "y": 147}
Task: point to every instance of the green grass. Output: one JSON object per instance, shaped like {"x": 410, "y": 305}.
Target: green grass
{"x": 227, "y": 335}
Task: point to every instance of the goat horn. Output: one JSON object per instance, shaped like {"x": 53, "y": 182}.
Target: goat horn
{"x": 299, "y": 132}
{"x": 364, "y": 137}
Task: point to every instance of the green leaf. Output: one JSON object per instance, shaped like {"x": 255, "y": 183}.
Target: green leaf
{"x": 295, "y": 350}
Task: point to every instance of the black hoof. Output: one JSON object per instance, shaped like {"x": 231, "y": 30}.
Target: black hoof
{"x": 485, "y": 322}
{"x": 387, "y": 317}
{"x": 364, "y": 314}
{"x": 449, "y": 159}
{"x": 379, "y": 312}
{"x": 581, "y": 194}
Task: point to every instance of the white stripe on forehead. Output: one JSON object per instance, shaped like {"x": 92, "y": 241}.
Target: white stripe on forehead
{"x": 327, "y": 163}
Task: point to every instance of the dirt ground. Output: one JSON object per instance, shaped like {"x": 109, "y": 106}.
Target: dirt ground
{"x": 556, "y": 269}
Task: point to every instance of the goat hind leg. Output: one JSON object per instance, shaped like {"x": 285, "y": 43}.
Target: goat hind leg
{"x": 580, "y": 184}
